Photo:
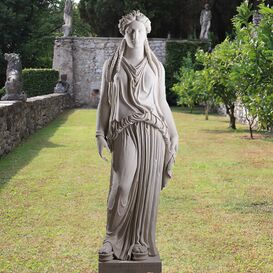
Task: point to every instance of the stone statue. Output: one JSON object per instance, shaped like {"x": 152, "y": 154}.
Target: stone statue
{"x": 68, "y": 11}
{"x": 256, "y": 18}
{"x": 14, "y": 82}
{"x": 134, "y": 123}
{"x": 205, "y": 21}
{"x": 62, "y": 85}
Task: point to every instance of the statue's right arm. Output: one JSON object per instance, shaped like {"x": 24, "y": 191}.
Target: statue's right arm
{"x": 103, "y": 113}
{"x": 201, "y": 17}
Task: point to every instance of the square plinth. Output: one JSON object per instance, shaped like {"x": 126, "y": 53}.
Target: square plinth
{"x": 150, "y": 265}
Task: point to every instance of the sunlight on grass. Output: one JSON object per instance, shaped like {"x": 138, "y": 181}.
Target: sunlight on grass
{"x": 215, "y": 215}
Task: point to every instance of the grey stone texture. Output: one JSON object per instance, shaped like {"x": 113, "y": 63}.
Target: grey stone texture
{"x": 151, "y": 265}
{"x": 82, "y": 60}
{"x": 14, "y": 82}
{"x": 20, "y": 119}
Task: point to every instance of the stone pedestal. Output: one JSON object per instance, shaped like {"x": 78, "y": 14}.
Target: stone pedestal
{"x": 151, "y": 265}
{"x": 63, "y": 60}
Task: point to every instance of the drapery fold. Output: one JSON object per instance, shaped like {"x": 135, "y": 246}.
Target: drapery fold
{"x": 136, "y": 175}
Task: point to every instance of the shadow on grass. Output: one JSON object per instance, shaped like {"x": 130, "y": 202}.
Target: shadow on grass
{"x": 29, "y": 148}
{"x": 225, "y": 131}
{"x": 264, "y": 136}
{"x": 251, "y": 207}
{"x": 267, "y": 137}
{"x": 195, "y": 111}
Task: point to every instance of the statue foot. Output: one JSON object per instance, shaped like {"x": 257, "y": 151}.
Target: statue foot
{"x": 139, "y": 252}
{"x": 106, "y": 252}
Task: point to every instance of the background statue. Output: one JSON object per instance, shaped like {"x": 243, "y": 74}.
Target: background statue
{"x": 62, "y": 85}
{"x": 257, "y": 17}
{"x": 205, "y": 22}
{"x": 68, "y": 11}
{"x": 14, "y": 82}
{"x": 135, "y": 123}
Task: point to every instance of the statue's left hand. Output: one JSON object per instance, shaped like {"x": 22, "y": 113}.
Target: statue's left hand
{"x": 174, "y": 143}
{"x": 101, "y": 143}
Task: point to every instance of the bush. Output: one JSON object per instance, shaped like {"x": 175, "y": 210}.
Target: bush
{"x": 176, "y": 51}
{"x": 39, "y": 81}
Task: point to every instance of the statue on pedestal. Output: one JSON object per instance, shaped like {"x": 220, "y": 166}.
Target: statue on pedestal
{"x": 134, "y": 123}
{"x": 205, "y": 22}
{"x": 62, "y": 85}
{"x": 14, "y": 81}
{"x": 68, "y": 11}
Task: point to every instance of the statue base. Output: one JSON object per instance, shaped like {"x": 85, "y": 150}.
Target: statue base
{"x": 10, "y": 97}
{"x": 150, "y": 265}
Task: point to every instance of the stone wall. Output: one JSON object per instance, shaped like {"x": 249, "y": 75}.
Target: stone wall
{"x": 82, "y": 60}
{"x": 20, "y": 119}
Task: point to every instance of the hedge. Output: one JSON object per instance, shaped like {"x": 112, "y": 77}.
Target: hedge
{"x": 39, "y": 81}
{"x": 175, "y": 52}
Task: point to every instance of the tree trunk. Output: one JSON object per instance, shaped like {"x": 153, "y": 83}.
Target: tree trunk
{"x": 232, "y": 119}
{"x": 250, "y": 121}
{"x": 207, "y": 110}
{"x": 251, "y": 131}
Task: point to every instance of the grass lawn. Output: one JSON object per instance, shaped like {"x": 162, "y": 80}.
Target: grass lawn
{"x": 216, "y": 214}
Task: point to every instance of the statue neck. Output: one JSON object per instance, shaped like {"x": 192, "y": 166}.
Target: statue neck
{"x": 134, "y": 55}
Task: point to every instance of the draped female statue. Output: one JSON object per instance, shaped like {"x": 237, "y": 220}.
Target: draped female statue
{"x": 205, "y": 22}
{"x": 68, "y": 10}
{"x": 135, "y": 123}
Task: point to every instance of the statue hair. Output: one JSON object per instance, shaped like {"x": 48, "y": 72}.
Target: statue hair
{"x": 135, "y": 15}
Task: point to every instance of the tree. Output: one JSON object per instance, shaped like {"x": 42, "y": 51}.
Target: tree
{"x": 193, "y": 86}
{"x": 184, "y": 86}
{"x": 31, "y": 28}
{"x": 180, "y": 18}
{"x": 252, "y": 73}
{"x": 237, "y": 70}
{"x": 218, "y": 66}
{"x": 27, "y": 25}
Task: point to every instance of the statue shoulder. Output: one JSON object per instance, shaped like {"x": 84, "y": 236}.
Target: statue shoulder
{"x": 106, "y": 63}
{"x": 161, "y": 67}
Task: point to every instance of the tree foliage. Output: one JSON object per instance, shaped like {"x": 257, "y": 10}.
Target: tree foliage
{"x": 30, "y": 28}
{"x": 103, "y": 16}
{"x": 26, "y": 25}
{"x": 252, "y": 73}
{"x": 180, "y": 18}
{"x": 238, "y": 69}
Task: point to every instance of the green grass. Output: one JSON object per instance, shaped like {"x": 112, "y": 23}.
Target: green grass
{"x": 216, "y": 214}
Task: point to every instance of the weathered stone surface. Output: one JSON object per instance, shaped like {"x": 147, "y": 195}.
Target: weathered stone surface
{"x": 14, "y": 82}
{"x": 151, "y": 265}
{"x": 82, "y": 60}
{"x": 20, "y": 119}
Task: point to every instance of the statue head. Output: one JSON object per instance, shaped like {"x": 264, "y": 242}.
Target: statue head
{"x": 11, "y": 57}
{"x": 134, "y": 27}
{"x": 206, "y": 6}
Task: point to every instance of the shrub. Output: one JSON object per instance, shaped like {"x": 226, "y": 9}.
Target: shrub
{"x": 39, "y": 81}
{"x": 176, "y": 51}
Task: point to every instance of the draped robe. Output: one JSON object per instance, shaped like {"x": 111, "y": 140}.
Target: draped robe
{"x": 141, "y": 157}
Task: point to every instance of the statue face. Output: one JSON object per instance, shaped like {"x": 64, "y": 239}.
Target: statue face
{"x": 135, "y": 34}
